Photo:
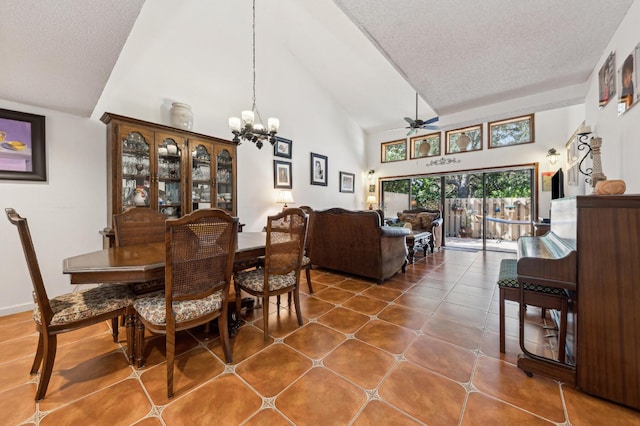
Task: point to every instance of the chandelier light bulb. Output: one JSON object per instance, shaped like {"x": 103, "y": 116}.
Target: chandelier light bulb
{"x": 235, "y": 124}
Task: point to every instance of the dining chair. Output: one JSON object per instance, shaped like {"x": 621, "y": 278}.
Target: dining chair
{"x": 69, "y": 311}
{"x": 200, "y": 250}
{"x": 138, "y": 225}
{"x": 284, "y": 249}
{"x": 307, "y": 264}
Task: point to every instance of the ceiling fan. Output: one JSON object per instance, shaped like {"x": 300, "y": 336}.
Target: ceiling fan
{"x": 417, "y": 124}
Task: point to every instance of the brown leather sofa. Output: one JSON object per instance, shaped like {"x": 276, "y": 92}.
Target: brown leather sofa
{"x": 355, "y": 242}
{"x": 424, "y": 220}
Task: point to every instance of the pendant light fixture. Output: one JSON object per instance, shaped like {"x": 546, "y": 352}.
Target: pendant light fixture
{"x": 249, "y": 127}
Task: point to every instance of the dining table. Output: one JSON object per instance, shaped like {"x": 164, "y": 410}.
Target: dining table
{"x": 143, "y": 262}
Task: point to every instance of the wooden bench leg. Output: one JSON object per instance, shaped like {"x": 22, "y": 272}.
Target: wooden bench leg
{"x": 502, "y": 320}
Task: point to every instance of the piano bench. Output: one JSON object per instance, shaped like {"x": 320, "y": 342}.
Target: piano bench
{"x": 535, "y": 295}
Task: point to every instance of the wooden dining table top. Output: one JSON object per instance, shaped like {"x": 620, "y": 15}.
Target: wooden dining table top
{"x": 142, "y": 262}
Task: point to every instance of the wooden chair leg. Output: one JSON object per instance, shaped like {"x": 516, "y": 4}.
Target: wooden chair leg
{"x": 562, "y": 332}
{"x": 114, "y": 328}
{"x": 307, "y": 272}
{"x": 49, "y": 347}
{"x": 223, "y": 328}
{"x": 502, "y": 320}
{"x": 296, "y": 300}
{"x": 171, "y": 349}
{"x": 38, "y": 358}
{"x": 265, "y": 316}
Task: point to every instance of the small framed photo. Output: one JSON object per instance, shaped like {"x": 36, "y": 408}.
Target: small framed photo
{"x": 282, "y": 174}
{"x": 628, "y": 77}
{"x": 372, "y": 188}
{"x": 607, "y": 80}
{"x": 546, "y": 181}
{"x": 512, "y": 131}
{"x": 22, "y": 146}
{"x": 282, "y": 147}
{"x": 464, "y": 140}
{"x": 347, "y": 182}
{"x": 425, "y": 146}
{"x": 318, "y": 169}
{"x": 394, "y": 151}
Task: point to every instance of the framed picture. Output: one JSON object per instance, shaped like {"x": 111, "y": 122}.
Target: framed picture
{"x": 628, "y": 77}
{"x": 546, "y": 181}
{"x": 394, "y": 151}
{"x": 372, "y": 188}
{"x": 282, "y": 147}
{"x": 347, "y": 182}
{"x": 318, "y": 169}
{"x": 22, "y": 146}
{"x": 425, "y": 146}
{"x": 607, "y": 80}
{"x": 282, "y": 174}
{"x": 512, "y": 131}
{"x": 471, "y": 141}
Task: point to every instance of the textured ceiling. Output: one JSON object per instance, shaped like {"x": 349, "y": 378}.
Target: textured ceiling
{"x": 458, "y": 55}
{"x": 461, "y": 54}
{"x": 59, "y": 54}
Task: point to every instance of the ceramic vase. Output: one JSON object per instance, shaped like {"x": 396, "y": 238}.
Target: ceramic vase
{"x": 181, "y": 116}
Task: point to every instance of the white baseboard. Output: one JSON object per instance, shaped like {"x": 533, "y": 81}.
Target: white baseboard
{"x": 8, "y": 310}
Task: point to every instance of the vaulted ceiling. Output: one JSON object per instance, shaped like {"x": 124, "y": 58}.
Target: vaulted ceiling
{"x": 458, "y": 55}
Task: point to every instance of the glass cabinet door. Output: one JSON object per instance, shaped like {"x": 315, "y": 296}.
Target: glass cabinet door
{"x": 201, "y": 188}
{"x": 135, "y": 170}
{"x": 170, "y": 177}
{"x": 224, "y": 180}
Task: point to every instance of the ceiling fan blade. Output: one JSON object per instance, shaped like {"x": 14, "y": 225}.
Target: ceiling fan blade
{"x": 432, "y": 120}
{"x": 427, "y": 127}
{"x": 409, "y": 120}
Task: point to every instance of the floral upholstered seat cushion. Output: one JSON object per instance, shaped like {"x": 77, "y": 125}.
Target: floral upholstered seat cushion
{"x": 85, "y": 304}
{"x": 508, "y": 278}
{"x": 305, "y": 260}
{"x": 254, "y": 280}
{"x": 152, "y": 307}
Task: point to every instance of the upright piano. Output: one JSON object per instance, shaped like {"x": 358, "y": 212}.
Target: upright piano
{"x": 593, "y": 246}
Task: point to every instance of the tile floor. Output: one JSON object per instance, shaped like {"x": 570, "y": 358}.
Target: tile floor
{"x": 420, "y": 349}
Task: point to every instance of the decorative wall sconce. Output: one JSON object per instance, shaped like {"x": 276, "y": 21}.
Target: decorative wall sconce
{"x": 371, "y": 175}
{"x": 552, "y": 156}
{"x": 442, "y": 161}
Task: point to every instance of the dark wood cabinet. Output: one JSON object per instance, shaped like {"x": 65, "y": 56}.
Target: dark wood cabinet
{"x": 608, "y": 325}
{"x": 170, "y": 170}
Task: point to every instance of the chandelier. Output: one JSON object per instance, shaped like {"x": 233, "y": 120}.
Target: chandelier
{"x": 249, "y": 127}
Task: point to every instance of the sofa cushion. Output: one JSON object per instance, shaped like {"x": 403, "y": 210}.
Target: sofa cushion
{"x": 426, "y": 219}
{"x": 412, "y": 218}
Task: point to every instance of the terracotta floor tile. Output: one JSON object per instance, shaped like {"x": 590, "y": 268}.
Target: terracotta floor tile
{"x": 490, "y": 346}
{"x": 154, "y": 349}
{"x": 382, "y": 293}
{"x": 463, "y": 314}
{"x": 354, "y": 285}
{"x": 404, "y": 317}
{"x": 15, "y": 373}
{"x": 398, "y": 285}
{"x": 468, "y": 300}
{"x": 321, "y": 397}
{"x": 484, "y": 410}
{"x": 329, "y": 278}
{"x": 267, "y": 417}
{"x": 91, "y": 331}
{"x": 18, "y": 348}
{"x": 387, "y": 336}
{"x": 313, "y": 307}
{"x": 430, "y": 398}
{"x": 344, "y": 320}
{"x": 333, "y": 295}
{"x": 429, "y": 292}
{"x": 103, "y": 405}
{"x": 191, "y": 369}
{"x": 444, "y": 358}
{"x": 423, "y": 304}
{"x": 586, "y": 410}
{"x": 149, "y": 421}
{"x": 363, "y": 364}
{"x": 454, "y": 332}
{"x": 281, "y": 323}
{"x": 273, "y": 369}
{"x": 510, "y": 384}
{"x": 81, "y": 379}
{"x": 365, "y": 305}
{"x": 246, "y": 343}
{"x": 18, "y": 404}
{"x": 223, "y": 401}
{"x": 378, "y": 412}
{"x": 315, "y": 340}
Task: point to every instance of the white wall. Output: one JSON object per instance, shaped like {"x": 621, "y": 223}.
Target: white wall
{"x": 552, "y": 130}
{"x": 65, "y": 213}
{"x": 620, "y": 134}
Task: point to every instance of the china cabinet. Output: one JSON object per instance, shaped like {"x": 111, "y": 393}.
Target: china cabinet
{"x": 170, "y": 170}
